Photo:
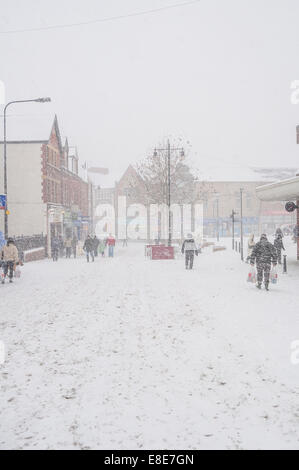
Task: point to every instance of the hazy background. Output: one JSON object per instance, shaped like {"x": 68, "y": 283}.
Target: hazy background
{"x": 216, "y": 73}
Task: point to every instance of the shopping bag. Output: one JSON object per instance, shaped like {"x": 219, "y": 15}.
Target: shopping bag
{"x": 274, "y": 276}
{"x": 252, "y": 276}
{"x": 18, "y": 272}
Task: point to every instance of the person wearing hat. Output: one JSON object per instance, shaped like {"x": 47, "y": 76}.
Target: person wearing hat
{"x": 264, "y": 253}
{"x": 189, "y": 248}
{"x": 10, "y": 256}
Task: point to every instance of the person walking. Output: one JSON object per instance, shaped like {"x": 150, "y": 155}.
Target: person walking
{"x": 74, "y": 245}
{"x": 189, "y": 248}
{"x": 111, "y": 245}
{"x": 9, "y": 256}
{"x": 96, "y": 242}
{"x": 250, "y": 246}
{"x": 88, "y": 248}
{"x": 68, "y": 247}
{"x": 263, "y": 254}
{"x": 55, "y": 244}
{"x": 278, "y": 243}
{"x": 102, "y": 247}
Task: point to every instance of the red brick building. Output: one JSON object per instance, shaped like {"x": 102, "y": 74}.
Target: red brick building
{"x": 64, "y": 192}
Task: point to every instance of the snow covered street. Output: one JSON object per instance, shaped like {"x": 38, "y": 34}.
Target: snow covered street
{"x": 128, "y": 353}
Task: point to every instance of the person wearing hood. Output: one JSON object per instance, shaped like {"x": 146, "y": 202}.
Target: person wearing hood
{"x": 251, "y": 244}
{"x": 264, "y": 253}
{"x": 10, "y": 256}
{"x": 89, "y": 248}
{"x": 278, "y": 243}
{"x": 189, "y": 248}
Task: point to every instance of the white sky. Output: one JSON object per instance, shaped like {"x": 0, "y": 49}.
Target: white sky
{"x": 216, "y": 73}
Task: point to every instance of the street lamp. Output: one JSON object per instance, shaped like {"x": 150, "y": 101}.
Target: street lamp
{"x": 37, "y": 100}
{"x": 217, "y": 195}
{"x": 241, "y": 220}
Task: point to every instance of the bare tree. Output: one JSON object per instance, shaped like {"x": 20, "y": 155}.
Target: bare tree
{"x": 153, "y": 170}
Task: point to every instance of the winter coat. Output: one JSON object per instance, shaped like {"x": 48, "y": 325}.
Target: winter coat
{"x": 10, "y": 253}
{"x": 251, "y": 245}
{"x": 278, "y": 243}
{"x": 55, "y": 244}
{"x": 111, "y": 241}
{"x": 96, "y": 243}
{"x": 264, "y": 252}
{"x": 189, "y": 245}
{"x": 88, "y": 245}
{"x": 68, "y": 243}
{"x": 102, "y": 246}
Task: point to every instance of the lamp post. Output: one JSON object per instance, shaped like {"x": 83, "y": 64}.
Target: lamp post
{"x": 233, "y": 227}
{"x": 241, "y": 220}
{"x": 168, "y": 150}
{"x": 37, "y": 100}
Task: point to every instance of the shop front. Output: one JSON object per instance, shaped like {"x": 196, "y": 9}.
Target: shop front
{"x": 286, "y": 191}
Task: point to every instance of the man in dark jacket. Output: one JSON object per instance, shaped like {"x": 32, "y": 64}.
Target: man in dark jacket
{"x": 89, "y": 248}
{"x": 264, "y": 253}
{"x": 278, "y": 243}
{"x": 189, "y": 248}
{"x": 96, "y": 243}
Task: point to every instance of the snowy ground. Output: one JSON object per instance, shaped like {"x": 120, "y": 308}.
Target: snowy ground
{"x": 130, "y": 353}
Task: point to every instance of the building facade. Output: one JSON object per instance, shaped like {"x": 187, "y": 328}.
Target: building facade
{"x": 45, "y": 193}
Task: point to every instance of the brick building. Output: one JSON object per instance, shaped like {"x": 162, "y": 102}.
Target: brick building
{"x": 45, "y": 193}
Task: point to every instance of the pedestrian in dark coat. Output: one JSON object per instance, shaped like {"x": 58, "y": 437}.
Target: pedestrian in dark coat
{"x": 264, "y": 253}
{"x": 55, "y": 245}
{"x": 88, "y": 248}
{"x": 74, "y": 245}
{"x": 96, "y": 243}
{"x": 278, "y": 243}
{"x": 189, "y": 248}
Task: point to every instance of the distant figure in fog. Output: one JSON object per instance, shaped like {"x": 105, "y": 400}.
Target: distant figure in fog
{"x": 250, "y": 246}
{"x": 189, "y": 248}
{"x": 111, "y": 245}
{"x": 279, "y": 232}
{"x": 89, "y": 248}
{"x": 55, "y": 244}
{"x": 278, "y": 243}
{"x": 102, "y": 247}
{"x": 74, "y": 245}
{"x": 96, "y": 243}
{"x": 68, "y": 247}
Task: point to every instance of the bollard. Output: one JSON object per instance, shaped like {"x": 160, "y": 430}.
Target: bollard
{"x": 236, "y": 246}
{"x": 285, "y": 270}
{"x": 239, "y": 247}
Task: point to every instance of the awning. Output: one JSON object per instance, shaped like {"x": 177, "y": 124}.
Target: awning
{"x": 286, "y": 190}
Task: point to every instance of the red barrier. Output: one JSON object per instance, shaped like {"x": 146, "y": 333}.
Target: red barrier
{"x": 162, "y": 252}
